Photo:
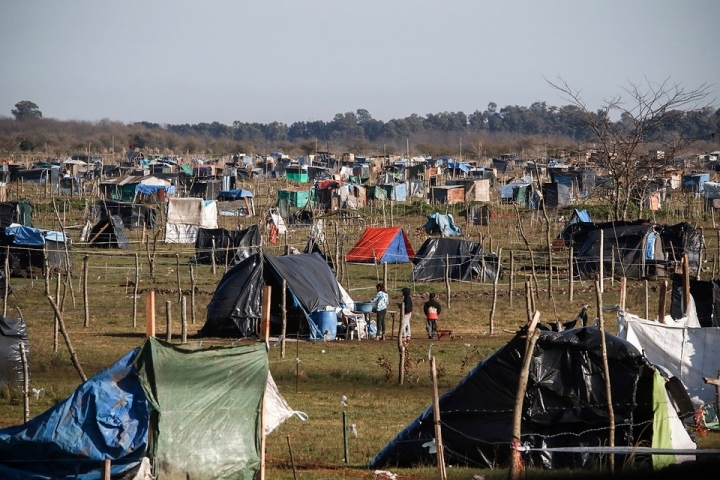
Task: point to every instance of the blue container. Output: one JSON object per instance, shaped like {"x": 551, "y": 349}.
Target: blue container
{"x": 326, "y": 321}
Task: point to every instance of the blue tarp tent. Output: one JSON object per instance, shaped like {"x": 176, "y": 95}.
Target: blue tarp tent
{"x": 153, "y": 189}
{"x": 382, "y": 245}
{"x": 444, "y": 224}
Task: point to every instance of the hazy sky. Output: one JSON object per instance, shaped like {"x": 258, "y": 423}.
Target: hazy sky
{"x": 266, "y": 60}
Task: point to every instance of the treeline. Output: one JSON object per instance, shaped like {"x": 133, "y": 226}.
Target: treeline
{"x": 484, "y": 133}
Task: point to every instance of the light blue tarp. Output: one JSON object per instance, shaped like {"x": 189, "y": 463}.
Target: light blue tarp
{"x": 153, "y": 189}
{"x": 106, "y": 417}
{"x": 463, "y": 167}
{"x": 234, "y": 194}
{"x": 444, "y": 224}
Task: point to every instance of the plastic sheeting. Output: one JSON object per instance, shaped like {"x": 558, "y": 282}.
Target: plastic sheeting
{"x": 185, "y": 216}
{"x": 109, "y": 233}
{"x": 230, "y": 246}
{"x": 442, "y": 223}
{"x": 565, "y": 405}
{"x": 467, "y": 261}
{"x": 13, "y": 335}
{"x": 106, "y": 417}
{"x": 208, "y": 421}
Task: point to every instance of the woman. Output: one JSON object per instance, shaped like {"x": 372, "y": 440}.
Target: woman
{"x": 380, "y": 302}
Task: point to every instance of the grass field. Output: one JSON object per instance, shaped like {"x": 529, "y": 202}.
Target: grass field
{"x": 365, "y": 372}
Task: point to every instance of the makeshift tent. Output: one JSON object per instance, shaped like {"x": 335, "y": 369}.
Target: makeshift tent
{"x": 565, "y": 405}
{"x": 443, "y": 224}
{"x": 556, "y": 195}
{"x": 16, "y": 212}
{"x": 29, "y": 248}
{"x": 185, "y": 216}
{"x": 382, "y": 245}
{"x": 218, "y": 390}
{"x": 706, "y": 298}
{"x": 133, "y": 215}
{"x": 239, "y": 194}
{"x": 689, "y": 353}
{"x": 228, "y": 247}
{"x": 109, "y": 233}
{"x": 13, "y": 336}
{"x": 467, "y": 261}
{"x": 235, "y": 309}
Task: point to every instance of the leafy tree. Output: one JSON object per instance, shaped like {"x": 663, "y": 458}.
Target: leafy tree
{"x": 646, "y": 120}
{"x": 26, "y": 110}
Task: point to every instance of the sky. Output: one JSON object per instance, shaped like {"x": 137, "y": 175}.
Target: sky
{"x": 178, "y": 62}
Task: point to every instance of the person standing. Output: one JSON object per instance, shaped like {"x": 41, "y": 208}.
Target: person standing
{"x": 407, "y": 313}
{"x": 380, "y": 303}
{"x": 432, "y": 310}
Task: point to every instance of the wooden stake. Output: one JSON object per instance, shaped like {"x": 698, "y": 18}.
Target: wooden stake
{"x": 73, "y": 356}
{"x": 7, "y": 280}
{"x": 183, "y": 319}
{"x": 715, "y": 382}
{"x": 491, "y": 327}
{"x": 512, "y": 278}
{"x": 135, "y": 290}
{"x": 263, "y": 436}
{"x": 606, "y": 369}
{"x": 447, "y": 281}
{"x": 292, "y": 459}
{"x": 623, "y": 293}
{"x": 150, "y": 313}
{"x": 662, "y": 301}
{"x": 647, "y": 300}
{"x": 26, "y": 383}
{"x": 401, "y": 346}
{"x": 571, "y": 275}
{"x": 284, "y": 318}
{"x": 265, "y": 322}
{"x": 214, "y": 267}
{"x": 107, "y": 469}
{"x": 438, "y": 426}
{"x": 602, "y": 262}
{"x": 686, "y": 282}
{"x": 192, "y": 294}
{"x": 86, "y": 302}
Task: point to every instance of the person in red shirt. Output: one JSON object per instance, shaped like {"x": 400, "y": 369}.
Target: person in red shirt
{"x": 432, "y": 310}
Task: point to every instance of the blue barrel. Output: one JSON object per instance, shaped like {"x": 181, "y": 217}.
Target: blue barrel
{"x": 326, "y": 321}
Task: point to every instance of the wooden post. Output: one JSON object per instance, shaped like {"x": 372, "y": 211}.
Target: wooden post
{"x": 647, "y": 300}
{"x": 177, "y": 271}
{"x": 26, "y": 383}
{"x": 150, "y": 313}
{"x": 345, "y": 438}
{"x": 263, "y": 436}
{"x": 214, "y": 267}
{"x": 700, "y": 253}
{"x": 571, "y": 274}
{"x": 183, "y": 319}
{"x": 686, "y": 282}
{"x": 385, "y": 274}
{"x": 606, "y": 370}
{"x": 516, "y": 471}
{"x": 61, "y": 323}
{"x": 135, "y": 289}
{"x": 292, "y": 459}
{"x": 401, "y": 346}
{"x": 602, "y": 262}
{"x": 265, "y": 322}
{"x": 512, "y": 278}
{"x": 623, "y": 293}
{"x": 192, "y": 294}
{"x": 662, "y": 301}
{"x": 107, "y": 469}
{"x": 86, "y": 303}
{"x": 447, "y": 282}
{"x": 168, "y": 320}
{"x": 7, "y": 280}
{"x": 528, "y": 301}
{"x": 284, "y": 318}
{"x": 491, "y": 328}
{"x": 440, "y": 455}
{"x": 56, "y": 326}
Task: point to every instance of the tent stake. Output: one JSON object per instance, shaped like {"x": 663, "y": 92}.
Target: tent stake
{"x": 292, "y": 459}
{"x": 86, "y": 259}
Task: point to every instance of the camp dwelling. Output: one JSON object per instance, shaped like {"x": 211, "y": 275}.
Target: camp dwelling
{"x": 185, "y": 216}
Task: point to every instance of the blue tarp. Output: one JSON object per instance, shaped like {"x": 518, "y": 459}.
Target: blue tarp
{"x": 153, "y": 189}
{"x": 106, "y": 417}
{"x": 444, "y": 224}
{"x": 234, "y": 194}
{"x": 32, "y": 237}
{"x": 464, "y": 167}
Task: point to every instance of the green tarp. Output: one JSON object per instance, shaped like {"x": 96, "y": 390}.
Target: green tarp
{"x": 208, "y": 409}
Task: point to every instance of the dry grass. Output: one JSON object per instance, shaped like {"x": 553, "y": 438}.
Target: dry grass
{"x": 377, "y": 405}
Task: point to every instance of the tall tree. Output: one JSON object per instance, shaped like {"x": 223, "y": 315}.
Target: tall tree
{"x": 623, "y": 147}
{"x": 26, "y": 110}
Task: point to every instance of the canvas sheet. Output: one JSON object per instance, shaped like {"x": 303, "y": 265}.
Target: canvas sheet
{"x": 192, "y": 211}
{"x": 687, "y": 353}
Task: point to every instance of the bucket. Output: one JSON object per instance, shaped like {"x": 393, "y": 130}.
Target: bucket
{"x": 326, "y": 321}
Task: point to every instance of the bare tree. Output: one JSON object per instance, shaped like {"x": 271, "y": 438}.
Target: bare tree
{"x": 648, "y": 114}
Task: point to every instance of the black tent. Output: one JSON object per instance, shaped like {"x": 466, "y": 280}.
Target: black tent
{"x": 29, "y": 248}
{"x": 16, "y": 212}
{"x": 109, "y": 233}
{"x": 706, "y": 295}
{"x": 230, "y": 247}
{"x": 467, "y": 261}
{"x": 565, "y": 405}
{"x": 234, "y": 310}
{"x": 133, "y": 215}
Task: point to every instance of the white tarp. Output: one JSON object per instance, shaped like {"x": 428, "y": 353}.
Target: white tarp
{"x": 689, "y": 353}
{"x": 186, "y": 216}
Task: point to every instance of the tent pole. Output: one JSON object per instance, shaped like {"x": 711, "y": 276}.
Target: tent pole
{"x": 284, "y": 318}
{"x": 440, "y": 455}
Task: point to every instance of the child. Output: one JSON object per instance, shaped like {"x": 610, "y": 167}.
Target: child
{"x": 407, "y": 313}
{"x": 432, "y": 310}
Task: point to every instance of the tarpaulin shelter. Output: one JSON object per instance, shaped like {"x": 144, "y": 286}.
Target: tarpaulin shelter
{"x": 556, "y": 195}
{"x": 382, "y": 245}
{"x": 202, "y": 405}
{"x": 443, "y": 224}
{"x": 19, "y": 212}
{"x": 228, "y": 247}
{"x": 235, "y": 308}
{"x": 185, "y": 216}
{"x": 689, "y": 353}
{"x": 705, "y": 295}
{"x": 467, "y": 261}
{"x": 13, "y": 336}
{"x": 108, "y": 233}
{"x": 29, "y": 247}
{"x": 565, "y": 405}
{"x": 133, "y": 215}
{"x": 239, "y": 194}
